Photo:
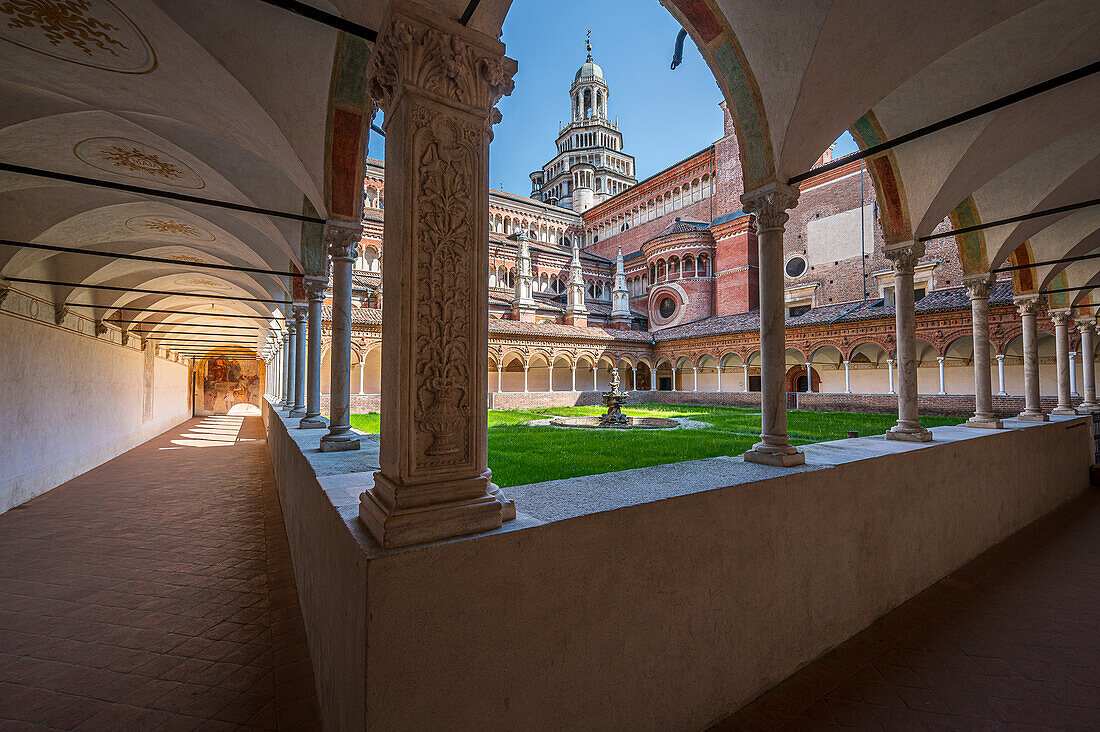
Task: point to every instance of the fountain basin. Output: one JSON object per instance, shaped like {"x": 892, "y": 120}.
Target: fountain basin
{"x": 642, "y": 423}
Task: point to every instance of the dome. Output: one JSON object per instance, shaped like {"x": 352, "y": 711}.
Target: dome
{"x": 589, "y": 68}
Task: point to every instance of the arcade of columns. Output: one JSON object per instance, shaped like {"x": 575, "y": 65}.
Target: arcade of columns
{"x": 438, "y": 82}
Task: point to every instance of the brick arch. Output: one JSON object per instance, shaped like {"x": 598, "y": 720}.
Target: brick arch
{"x": 887, "y": 347}
{"x": 720, "y": 47}
{"x": 889, "y": 189}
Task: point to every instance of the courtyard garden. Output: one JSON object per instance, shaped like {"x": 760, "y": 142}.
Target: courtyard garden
{"x": 521, "y": 453}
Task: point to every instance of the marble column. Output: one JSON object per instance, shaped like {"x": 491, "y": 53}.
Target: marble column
{"x": 315, "y": 294}
{"x": 574, "y": 370}
{"x": 809, "y": 379}
{"x": 500, "y": 378}
{"x": 1061, "y": 345}
{"x": 342, "y": 242}
{"x": 437, "y": 82}
{"x": 745, "y": 368}
{"x": 847, "y": 378}
{"x": 890, "y": 375}
{"x": 299, "y": 408}
{"x": 291, "y": 358}
{"x": 633, "y": 379}
{"x": 1087, "y": 328}
{"x": 1001, "y": 375}
{"x": 1028, "y": 306}
{"x": 694, "y": 378}
{"x": 943, "y": 383}
{"x": 1073, "y": 374}
{"x": 977, "y": 288}
{"x": 653, "y": 379}
{"x": 719, "y": 378}
{"x": 526, "y": 370}
{"x": 904, "y": 256}
{"x": 770, "y": 204}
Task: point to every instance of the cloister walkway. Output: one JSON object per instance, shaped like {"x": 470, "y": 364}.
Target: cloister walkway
{"x": 1010, "y": 641}
{"x": 156, "y": 592}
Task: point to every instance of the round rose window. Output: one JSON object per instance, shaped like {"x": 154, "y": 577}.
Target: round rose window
{"x": 796, "y": 266}
{"x": 667, "y": 307}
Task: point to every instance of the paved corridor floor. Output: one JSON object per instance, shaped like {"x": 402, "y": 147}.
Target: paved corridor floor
{"x": 156, "y": 592}
{"x": 1010, "y": 641}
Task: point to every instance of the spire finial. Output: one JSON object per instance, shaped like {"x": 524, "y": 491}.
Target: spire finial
{"x": 588, "y": 43}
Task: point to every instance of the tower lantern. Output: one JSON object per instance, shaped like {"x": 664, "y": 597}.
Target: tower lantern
{"x": 590, "y": 166}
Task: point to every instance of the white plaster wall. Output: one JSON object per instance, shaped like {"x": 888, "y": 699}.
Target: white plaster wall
{"x": 71, "y": 402}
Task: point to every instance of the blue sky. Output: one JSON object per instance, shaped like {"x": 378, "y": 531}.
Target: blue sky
{"x": 664, "y": 115}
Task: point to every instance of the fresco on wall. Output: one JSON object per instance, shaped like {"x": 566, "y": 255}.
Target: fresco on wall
{"x": 224, "y": 382}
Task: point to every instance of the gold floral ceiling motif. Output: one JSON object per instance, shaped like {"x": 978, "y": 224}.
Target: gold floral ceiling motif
{"x": 169, "y": 226}
{"x": 93, "y": 33}
{"x": 200, "y": 282}
{"x": 185, "y": 258}
{"x": 133, "y": 159}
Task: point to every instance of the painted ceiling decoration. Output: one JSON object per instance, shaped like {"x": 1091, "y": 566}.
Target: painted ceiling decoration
{"x": 93, "y": 33}
{"x": 135, "y": 159}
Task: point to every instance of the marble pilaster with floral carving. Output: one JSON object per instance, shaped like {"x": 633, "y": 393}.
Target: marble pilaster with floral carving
{"x": 437, "y": 82}
{"x": 770, "y": 204}
{"x": 904, "y": 257}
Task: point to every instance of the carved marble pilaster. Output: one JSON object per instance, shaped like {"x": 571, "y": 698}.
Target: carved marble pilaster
{"x": 770, "y": 204}
{"x": 437, "y": 82}
{"x": 903, "y": 258}
{"x": 342, "y": 243}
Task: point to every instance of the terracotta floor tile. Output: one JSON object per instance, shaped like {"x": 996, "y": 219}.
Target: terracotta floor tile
{"x": 141, "y": 595}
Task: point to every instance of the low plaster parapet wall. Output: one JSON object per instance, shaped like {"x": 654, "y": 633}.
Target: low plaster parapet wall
{"x": 657, "y": 598}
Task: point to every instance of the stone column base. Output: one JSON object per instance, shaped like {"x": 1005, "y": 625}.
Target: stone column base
{"x": 908, "y": 434}
{"x": 1032, "y": 417}
{"x": 297, "y": 412}
{"x": 396, "y": 527}
{"x": 1064, "y": 411}
{"x": 1088, "y": 407}
{"x": 339, "y": 443}
{"x": 784, "y": 459}
{"x": 313, "y": 423}
{"x": 987, "y": 423}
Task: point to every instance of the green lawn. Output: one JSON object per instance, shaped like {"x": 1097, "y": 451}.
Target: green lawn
{"x": 519, "y": 454}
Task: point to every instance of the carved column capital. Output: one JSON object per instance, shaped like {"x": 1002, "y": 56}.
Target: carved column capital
{"x": 440, "y": 59}
{"x": 904, "y": 256}
{"x": 770, "y": 204}
{"x": 1060, "y": 317}
{"x": 1028, "y": 304}
{"x": 300, "y": 313}
{"x": 977, "y": 288}
{"x": 342, "y": 239}
{"x": 1087, "y": 324}
{"x": 315, "y": 288}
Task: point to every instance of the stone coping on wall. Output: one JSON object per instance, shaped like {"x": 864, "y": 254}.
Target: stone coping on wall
{"x": 619, "y": 600}
{"x": 345, "y": 475}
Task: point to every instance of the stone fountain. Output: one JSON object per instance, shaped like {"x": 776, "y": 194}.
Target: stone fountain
{"x": 614, "y": 417}
{"x": 614, "y": 399}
